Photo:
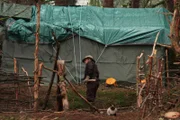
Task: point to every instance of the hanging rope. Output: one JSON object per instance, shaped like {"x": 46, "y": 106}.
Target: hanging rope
{"x": 74, "y": 51}
{"x": 80, "y": 47}
{"x": 101, "y": 52}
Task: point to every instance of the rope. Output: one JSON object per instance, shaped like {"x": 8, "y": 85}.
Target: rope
{"x": 101, "y": 53}
{"x": 74, "y": 51}
{"x": 80, "y": 47}
{"x": 65, "y": 66}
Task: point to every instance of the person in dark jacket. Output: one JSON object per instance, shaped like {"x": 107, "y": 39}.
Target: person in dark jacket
{"x": 91, "y": 76}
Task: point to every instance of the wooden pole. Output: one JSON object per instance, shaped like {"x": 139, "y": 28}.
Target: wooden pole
{"x": 28, "y": 80}
{"x": 62, "y": 99}
{"x": 167, "y": 69}
{"x": 53, "y": 74}
{"x": 30, "y": 91}
{"x": 58, "y": 90}
{"x": 74, "y": 89}
{"x": 40, "y": 71}
{"x": 36, "y": 61}
{"x": 82, "y": 97}
{"x": 15, "y": 66}
{"x": 16, "y": 73}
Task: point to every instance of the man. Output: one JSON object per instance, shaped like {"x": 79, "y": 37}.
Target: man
{"x": 91, "y": 76}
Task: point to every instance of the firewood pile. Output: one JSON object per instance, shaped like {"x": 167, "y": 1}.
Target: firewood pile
{"x": 15, "y": 92}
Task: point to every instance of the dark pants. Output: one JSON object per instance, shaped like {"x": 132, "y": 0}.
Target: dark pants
{"x": 91, "y": 90}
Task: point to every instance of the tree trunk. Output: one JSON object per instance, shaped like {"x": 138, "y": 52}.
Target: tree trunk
{"x": 36, "y": 61}
{"x": 65, "y": 2}
{"x": 108, "y": 3}
{"x": 62, "y": 99}
{"x": 53, "y": 74}
{"x": 135, "y": 3}
{"x": 174, "y": 31}
{"x": 170, "y": 5}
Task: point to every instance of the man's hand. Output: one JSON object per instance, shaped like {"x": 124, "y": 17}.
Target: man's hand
{"x": 86, "y": 79}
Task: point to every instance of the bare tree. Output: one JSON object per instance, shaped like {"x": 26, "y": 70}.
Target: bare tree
{"x": 135, "y": 3}
{"x": 170, "y": 5}
{"x": 65, "y": 2}
{"x": 108, "y": 3}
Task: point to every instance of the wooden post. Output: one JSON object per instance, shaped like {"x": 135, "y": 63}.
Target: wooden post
{"x": 28, "y": 80}
{"x": 30, "y": 91}
{"x": 62, "y": 99}
{"x": 74, "y": 89}
{"x": 16, "y": 75}
{"x": 53, "y": 74}
{"x": 167, "y": 70}
{"x": 58, "y": 90}
{"x": 15, "y": 66}
{"x": 36, "y": 61}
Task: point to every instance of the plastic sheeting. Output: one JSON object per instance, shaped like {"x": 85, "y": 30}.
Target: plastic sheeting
{"x": 116, "y": 61}
{"x": 109, "y": 26}
{"x": 15, "y": 10}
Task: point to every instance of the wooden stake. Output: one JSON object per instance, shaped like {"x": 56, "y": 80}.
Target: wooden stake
{"x": 155, "y": 43}
{"x": 16, "y": 73}
{"x": 53, "y": 74}
{"x": 137, "y": 75}
{"x": 30, "y": 91}
{"x": 36, "y": 61}
{"x": 15, "y": 66}
{"x": 167, "y": 69}
{"x": 62, "y": 99}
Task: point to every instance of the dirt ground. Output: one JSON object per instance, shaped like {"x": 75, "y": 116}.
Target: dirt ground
{"x": 105, "y": 96}
{"x": 71, "y": 115}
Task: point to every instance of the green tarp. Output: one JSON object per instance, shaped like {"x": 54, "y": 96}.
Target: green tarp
{"x": 15, "y": 10}
{"x": 109, "y": 26}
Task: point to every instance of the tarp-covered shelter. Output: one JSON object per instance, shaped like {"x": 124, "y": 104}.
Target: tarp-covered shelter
{"x": 113, "y": 36}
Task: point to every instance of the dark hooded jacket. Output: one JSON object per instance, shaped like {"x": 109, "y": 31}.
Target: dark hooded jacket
{"x": 91, "y": 70}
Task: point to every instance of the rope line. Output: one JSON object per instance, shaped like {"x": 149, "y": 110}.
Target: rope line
{"x": 74, "y": 51}
{"x": 101, "y": 53}
{"x": 80, "y": 54}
